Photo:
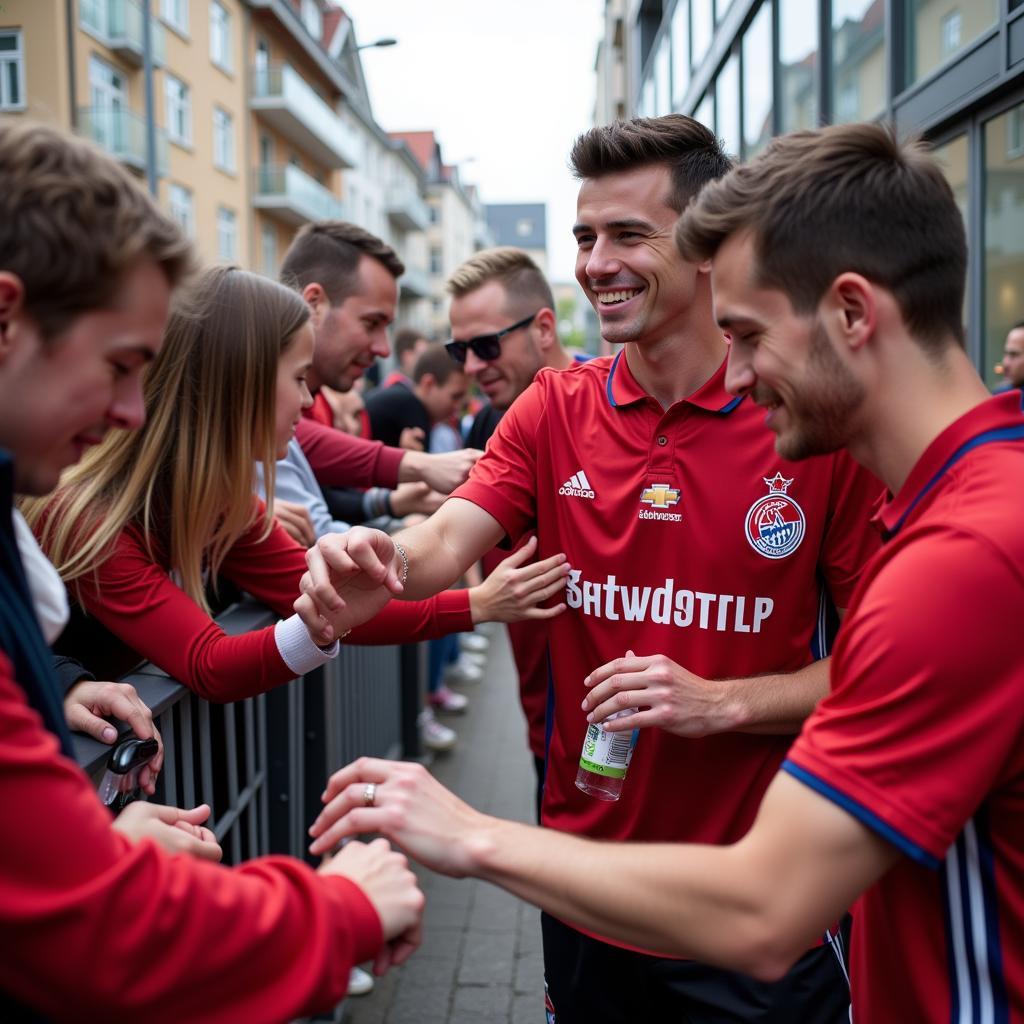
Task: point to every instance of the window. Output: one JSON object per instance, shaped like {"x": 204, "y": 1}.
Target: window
{"x": 313, "y": 18}
{"x": 798, "y": 64}
{"x": 434, "y": 214}
{"x": 939, "y": 31}
{"x": 182, "y": 208}
{"x": 227, "y": 234}
{"x": 662, "y": 69}
{"x": 727, "y": 96}
{"x": 705, "y": 112}
{"x": 268, "y": 249}
{"x": 951, "y": 24}
{"x": 220, "y": 36}
{"x": 757, "y": 82}
{"x": 680, "y": 51}
{"x": 223, "y": 140}
{"x": 701, "y": 24}
{"x": 12, "y": 71}
{"x": 1003, "y": 253}
{"x": 175, "y": 14}
{"x": 858, "y": 59}
{"x": 178, "y": 110}
{"x": 435, "y": 259}
{"x": 266, "y": 151}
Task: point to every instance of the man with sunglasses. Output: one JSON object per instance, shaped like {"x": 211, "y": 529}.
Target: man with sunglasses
{"x": 692, "y": 543}
{"x": 504, "y": 332}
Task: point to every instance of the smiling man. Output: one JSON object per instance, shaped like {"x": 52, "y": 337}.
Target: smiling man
{"x": 906, "y": 785}
{"x": 88, "y": 906}
{"x": 694, "y": 544}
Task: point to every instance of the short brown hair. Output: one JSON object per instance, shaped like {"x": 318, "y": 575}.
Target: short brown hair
{"x": 73, "y": 222}
{"x": 524, "y": 284}
{"x": 434, "y": 359}
{"x": 327, "y": 253}
{"x": 844, "y": 198}
{"x": 690, "y": 151}
{"x": 406, "y": 339}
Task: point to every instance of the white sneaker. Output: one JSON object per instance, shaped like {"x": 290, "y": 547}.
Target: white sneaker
{"x": 359, "y": 982}
{"x": 443, "y": 699}
{"x": 434, "y": 735}
{"x": 463, "y": 671}
{"x": 474, "y": 642}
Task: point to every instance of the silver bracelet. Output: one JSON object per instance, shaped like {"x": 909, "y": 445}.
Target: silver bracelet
{"x": 405, "y": 561}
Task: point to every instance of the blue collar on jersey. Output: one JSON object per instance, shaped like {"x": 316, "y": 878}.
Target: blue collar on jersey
{"x": 989, "y": 437}
{"x": 727, "y": 408}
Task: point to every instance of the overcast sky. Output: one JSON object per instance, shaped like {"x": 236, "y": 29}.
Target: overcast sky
{"x": 510, "y": 85}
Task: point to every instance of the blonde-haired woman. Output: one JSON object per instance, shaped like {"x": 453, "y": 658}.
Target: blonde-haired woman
{"x": 149, "y": 518}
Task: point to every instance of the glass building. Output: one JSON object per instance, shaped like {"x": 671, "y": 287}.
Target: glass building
{"x": 952, "y": 69}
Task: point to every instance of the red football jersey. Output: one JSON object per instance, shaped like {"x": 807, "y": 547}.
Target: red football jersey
{"x": 922, "y": 737}
{"x": 687, "y": 536}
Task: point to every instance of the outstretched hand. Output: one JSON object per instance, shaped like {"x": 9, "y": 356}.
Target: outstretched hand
{"x": 516, "y": 591}
{"x": 351, "y": 577}
{"x": 409, "y": 806}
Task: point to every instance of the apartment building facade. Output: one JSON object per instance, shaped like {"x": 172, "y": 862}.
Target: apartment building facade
{"x": 457, "y": 221}
{"x": 247, "y": 118}
{"x": 951, "y": 69}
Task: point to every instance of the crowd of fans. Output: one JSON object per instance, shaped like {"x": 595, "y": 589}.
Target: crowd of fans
{"x": 675, "y": 531}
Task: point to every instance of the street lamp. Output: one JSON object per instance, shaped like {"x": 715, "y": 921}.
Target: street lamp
{"x": 380, "y": 42}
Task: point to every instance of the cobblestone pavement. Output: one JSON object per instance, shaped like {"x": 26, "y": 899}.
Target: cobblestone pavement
{"x": 480, "y": 962}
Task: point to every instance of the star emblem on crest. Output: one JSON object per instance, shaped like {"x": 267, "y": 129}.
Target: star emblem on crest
{"x": 777, "y": 484}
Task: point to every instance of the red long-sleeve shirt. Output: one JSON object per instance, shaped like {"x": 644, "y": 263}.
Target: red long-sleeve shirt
{"x": 340, "y": 460}
{"x": 98, "y": 928}
{"x": 133, "y": 596}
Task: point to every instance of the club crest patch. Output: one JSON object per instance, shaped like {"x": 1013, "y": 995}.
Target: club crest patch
{"x": 775, "y": 523}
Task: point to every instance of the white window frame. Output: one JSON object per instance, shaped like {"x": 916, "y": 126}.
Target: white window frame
{"x": 17, "y": 58}
{"x": 178, "y": 110}
{"x": 175, "y": 14}
{"x": 220, "y": 35}
{"x": 223, "y": 140}
{"x": 181, "y": 204}
{"x": 227, "y": 234}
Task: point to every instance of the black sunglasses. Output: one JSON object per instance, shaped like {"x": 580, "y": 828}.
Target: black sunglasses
{"x": 486, "y": 346}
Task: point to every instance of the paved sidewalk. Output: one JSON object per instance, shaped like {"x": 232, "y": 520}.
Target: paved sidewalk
{"x": 480, "y": 962}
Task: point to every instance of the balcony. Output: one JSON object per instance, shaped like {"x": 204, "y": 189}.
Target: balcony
{"x": 118, "y": 24}
{"x": 286, "y": 102}
{"x": 293, "y": 196}
{"x": 415, "y": 283}
{"x": 123, "y": 134}
{"x": 406, "y": 209}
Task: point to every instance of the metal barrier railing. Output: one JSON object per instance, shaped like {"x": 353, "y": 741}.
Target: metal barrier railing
{"x": 261, "y": 763}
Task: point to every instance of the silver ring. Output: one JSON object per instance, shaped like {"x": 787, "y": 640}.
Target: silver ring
{"x": 369, "y": 794}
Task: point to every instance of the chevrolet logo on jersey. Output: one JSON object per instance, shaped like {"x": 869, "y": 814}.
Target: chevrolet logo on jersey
{"x": 660, "y": 496}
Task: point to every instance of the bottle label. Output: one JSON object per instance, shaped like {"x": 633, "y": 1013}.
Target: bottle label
{"x": 608, "y": 753}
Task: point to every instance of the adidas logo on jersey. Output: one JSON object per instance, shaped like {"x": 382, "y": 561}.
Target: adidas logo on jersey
{"x": 577, "y": 486}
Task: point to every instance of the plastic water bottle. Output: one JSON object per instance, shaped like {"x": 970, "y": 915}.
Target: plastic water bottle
{"x": 605, "y": 759}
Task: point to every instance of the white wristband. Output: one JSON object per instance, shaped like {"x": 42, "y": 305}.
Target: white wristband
{"x": 297, "y": 649}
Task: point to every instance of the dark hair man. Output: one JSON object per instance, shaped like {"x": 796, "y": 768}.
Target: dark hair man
{"x": 98, "y": 921}
{"x": 1013, "y": 356}
{"x": 408, "y": 345}
{"x": 838, "y": 262}
{"x": 646, "y": 453}
{"x": 349, "y": 279}
{"x": 437, "y": 393}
